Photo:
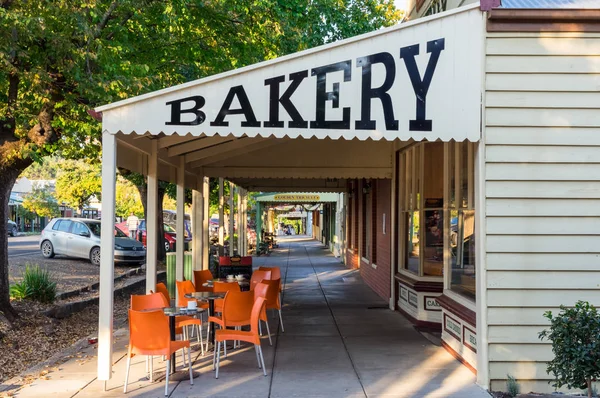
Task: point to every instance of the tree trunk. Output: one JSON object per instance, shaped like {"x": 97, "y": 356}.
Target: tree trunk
{"x": 7, "y": 180}
{"x": 589, "y": 385}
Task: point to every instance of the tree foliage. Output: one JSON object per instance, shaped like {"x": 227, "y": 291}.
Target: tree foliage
{"x": 59, "y": 59}
{"x": 575, "y": 337}
{"x": 77, "y": 183}
{"x": 127, "y": 199}
{"x": 41, "y": 202}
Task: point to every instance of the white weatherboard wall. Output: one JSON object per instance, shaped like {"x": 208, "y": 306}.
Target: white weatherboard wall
{"x": 542, "y": 192}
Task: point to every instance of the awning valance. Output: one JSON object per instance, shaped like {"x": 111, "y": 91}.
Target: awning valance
{"x": 419, "y": 80}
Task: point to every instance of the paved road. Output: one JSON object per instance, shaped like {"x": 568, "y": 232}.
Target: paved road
{"x": 23, "y": 246}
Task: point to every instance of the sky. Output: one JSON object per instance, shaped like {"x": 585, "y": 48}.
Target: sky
{"x": 400, "y": 4}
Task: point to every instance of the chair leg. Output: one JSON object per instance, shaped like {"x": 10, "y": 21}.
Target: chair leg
{"x": 190, "y": 367}
{"x": 225, "y": 348}
{"x": 262, "y": 360}
{"x": 151, "y": 369}
{"x": 127, "y": 373}
{"x": 207, "y": 336}
{"x": 259, "y": 329}
{"x": 167, "y": 377}
{"x": 218, "y": 359}
{"x": 257, "y": 355}
{"x": 214, "y": 358}
{"x": 199, "y": 327}
{"x": 268, "y": 332}
{"x": 147, "y": 364}
{"x": 281, "y": 321}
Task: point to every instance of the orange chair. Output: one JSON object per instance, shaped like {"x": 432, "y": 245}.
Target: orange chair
{"x": 149, "y": 335}
{"x": 223, "y": 287}
{"x": 258, "y": 276}
{"x": 182, "y": 321}
{"x": 275, "y": 271}
{"x": 200, "y": 278}
{"x": 273, "y": 297}
{"x": 261, "y": 290}
{"x": 237, "y": 308}
{"x": 223, "y": 335}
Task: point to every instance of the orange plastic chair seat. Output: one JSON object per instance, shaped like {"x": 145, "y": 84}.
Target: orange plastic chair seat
{"x": 229, "y": 334}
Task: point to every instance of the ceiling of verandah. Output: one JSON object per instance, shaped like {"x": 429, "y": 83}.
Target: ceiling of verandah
{"x": 262, "y": 164}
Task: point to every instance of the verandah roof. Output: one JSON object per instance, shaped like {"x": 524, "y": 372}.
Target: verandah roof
{"x": 420, "y": 80}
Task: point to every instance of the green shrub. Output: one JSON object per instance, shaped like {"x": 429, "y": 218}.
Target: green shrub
{"x": 575, "y": 337}
{"x": 512, "y": 387}
{"x": 37, "y": 284}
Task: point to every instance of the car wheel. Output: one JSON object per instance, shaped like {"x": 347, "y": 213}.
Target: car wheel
{"x": 13, "y": 231}
{"x": 47, "y": 249}
{"x": 167, "y": 246}
{"x": 95, "y": 256}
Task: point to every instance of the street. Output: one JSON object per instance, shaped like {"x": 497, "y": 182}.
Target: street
{"x": 23, "y": 246}
{"x": 70, "y": 273}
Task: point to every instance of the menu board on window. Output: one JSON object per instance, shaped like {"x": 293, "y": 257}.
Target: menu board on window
{"x": 434, "y": 228}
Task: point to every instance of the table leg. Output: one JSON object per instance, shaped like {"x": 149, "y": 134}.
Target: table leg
{"x": 211, "y": 325}
{"x": 172, "y": 330}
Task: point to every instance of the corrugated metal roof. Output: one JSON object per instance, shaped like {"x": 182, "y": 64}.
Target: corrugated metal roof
{"x": 550, "y": 3}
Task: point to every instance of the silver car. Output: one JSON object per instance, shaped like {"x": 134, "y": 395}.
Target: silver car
{"x": 76, "y": 237}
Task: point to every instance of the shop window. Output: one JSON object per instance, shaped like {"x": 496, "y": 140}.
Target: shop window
{"x": 436, "y": 214}
{"x": 462, "y": 224}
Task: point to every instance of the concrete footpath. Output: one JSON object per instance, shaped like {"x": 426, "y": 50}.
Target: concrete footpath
{"x": 339, "y": 341}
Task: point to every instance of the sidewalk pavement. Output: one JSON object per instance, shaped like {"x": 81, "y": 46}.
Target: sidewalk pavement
{"x": 339, "y": 341}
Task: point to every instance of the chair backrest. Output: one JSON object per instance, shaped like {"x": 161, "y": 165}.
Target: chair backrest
{"x": 259, "y": 276}
{"x": 275, "y": 271}
{"x": 257, "y": 309}
{"x": 148, "y": 301}
{"x": 183, "y": 288}
{"x": 261, "y": 290}
{"x": 273, "y": 293}
{"x": 226, "y": 287}
{"x": 148, "y": 331}
{"x": 162, "y": 288}
{"x": 237, "y": 308}
{"x": 200, "y": 278}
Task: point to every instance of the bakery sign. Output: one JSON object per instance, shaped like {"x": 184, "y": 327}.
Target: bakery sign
{"x": 414, "y": 80}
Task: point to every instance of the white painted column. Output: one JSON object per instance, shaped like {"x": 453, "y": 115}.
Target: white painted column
{"x": 180, "y": 221}
{"x": 221, "y": 217}
{"x": 231, "y": 217}
{"x": 107, "y": 252}
{"x": 197, "y": 224}
{"x": 205, "y": 223}
{"x": 152, "y": 218}
{"x": 483, "y": 367}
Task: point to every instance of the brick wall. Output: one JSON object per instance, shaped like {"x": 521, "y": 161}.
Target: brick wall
{"x": 379, "y": 278}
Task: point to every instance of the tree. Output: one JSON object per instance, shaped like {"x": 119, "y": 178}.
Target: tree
{"x": 575, "y": 337}
{"x": 77, "y": 183}
{"x": 41, "y": 202}
{"x": 127, "y": 199}
{"x": 60, "y": 59}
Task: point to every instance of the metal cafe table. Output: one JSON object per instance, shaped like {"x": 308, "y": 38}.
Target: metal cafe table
{"x": 210, "y": 297}
{"x": 172, "y": 313}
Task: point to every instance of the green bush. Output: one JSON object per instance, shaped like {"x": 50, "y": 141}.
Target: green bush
{"x": 512, "y": 386}
{"x": 37, "y": 284}
{"x": 575, "y": 337}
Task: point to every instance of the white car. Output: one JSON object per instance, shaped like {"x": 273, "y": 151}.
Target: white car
{"x": 78, "y": 237}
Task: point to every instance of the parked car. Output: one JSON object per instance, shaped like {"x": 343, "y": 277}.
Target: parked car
{"x": 77, "y": 237}
{"x": 11, "y": 227}
{"x": 170, "y": 234}
{"x": 170, "y": 218}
